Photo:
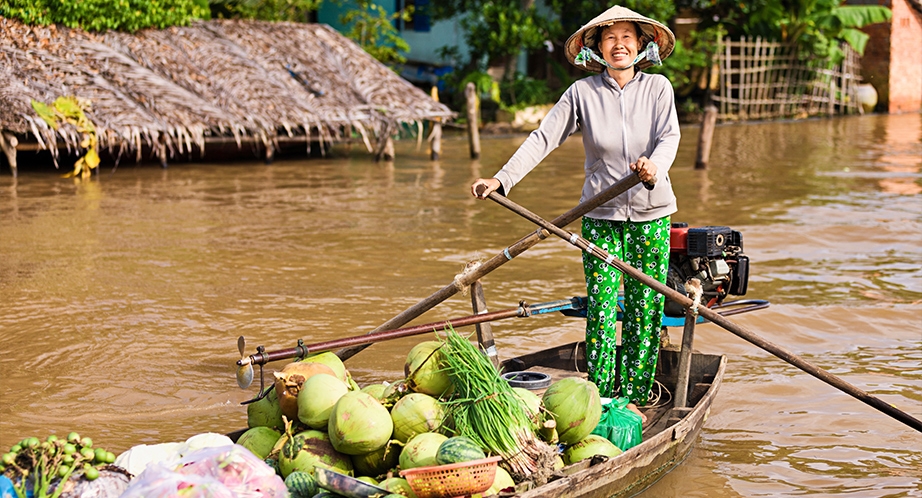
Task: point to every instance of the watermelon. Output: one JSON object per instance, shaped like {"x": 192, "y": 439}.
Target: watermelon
{"x": 458, "y": 449}
{"x": 301, "y": 485}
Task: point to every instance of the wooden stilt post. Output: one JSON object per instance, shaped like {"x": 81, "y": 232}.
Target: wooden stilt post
{"x": 270, "y": 152}
{"x": 484, "y": 330}
{"x": 161, "y": 151}
{"x": 473, "y": 118}
{"x": 8, "y": 143}
{"x": 388, "y": 154}
{"x": 705, "y": 137}
{"x": 435, "y": 136}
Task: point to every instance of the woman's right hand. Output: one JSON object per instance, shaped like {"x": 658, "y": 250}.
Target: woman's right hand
{"x": 484, "y": 186}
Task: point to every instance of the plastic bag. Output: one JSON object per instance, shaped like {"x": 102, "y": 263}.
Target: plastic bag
{"x": 224, "y": 471}
{"x": 159, "y": 481}
{"x": 620, "y": 425}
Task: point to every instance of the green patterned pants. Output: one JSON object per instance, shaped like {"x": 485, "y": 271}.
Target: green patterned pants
{"x": 644, "y": 245}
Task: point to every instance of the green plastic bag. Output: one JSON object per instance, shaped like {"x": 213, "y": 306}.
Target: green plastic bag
{"x": 619, "y": 425}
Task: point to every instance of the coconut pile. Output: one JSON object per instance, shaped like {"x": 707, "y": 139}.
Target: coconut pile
{"x": 316, "y": 416}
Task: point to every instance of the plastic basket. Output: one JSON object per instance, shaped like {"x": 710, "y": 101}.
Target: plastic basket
{"x": 453, "y": 480}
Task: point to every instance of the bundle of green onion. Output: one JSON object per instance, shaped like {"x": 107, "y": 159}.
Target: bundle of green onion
{"x": 487, "y": 410}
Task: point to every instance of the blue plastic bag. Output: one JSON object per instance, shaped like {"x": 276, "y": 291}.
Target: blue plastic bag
{"x": 6, "y": 487}
{"x": 619, "y": 425}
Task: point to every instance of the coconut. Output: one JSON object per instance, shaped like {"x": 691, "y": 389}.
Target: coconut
{"x": 368, "y": 479}
{"x": 259, "y": 440}
{"x": 307, "y": 369}
{"x": 316, "y": 398}
{"x": 288, "y": 384}
{"x": 532, "y": 404}
{"x": 397, "y": 485}
{"x": 424, "y": 370}
{"x": 310, "y": 449}
{"x": 501, "y": 481}
{"x": 266, "y": 412}
{"x": 331, "y": 360}
{"x": 414, "y": 414}
{"x": 576, "y": 407}
{"x": 589, "y": 447}
{"x": 359, "y": 424}
{"x": 378, "y": 462}
{"x": 376, "y": 390}
{"x": 420, "y": 450}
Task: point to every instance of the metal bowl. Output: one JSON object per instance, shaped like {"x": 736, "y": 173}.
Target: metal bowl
{"x": 347, "y": 486}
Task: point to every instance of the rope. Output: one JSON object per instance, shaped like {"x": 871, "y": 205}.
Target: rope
{"x": 460, "y": 278}
{"x": 695, "y": 291}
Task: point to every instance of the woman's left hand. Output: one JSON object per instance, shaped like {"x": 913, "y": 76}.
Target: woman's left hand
{"x": 645, "y": 169}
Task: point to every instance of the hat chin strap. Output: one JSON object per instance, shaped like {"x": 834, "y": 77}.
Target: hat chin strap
{"x": 651, "y": 53}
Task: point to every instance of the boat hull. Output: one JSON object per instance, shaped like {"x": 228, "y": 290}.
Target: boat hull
{"x": 667, "y": 440}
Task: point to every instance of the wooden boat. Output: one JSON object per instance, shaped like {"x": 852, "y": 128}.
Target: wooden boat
{"x": 668, "y": 434}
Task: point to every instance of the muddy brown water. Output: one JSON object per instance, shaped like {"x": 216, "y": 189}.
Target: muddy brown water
{"x": 121, "y": 297}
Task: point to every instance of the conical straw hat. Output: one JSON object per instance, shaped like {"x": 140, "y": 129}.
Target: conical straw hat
{"x": 588, "y": 36}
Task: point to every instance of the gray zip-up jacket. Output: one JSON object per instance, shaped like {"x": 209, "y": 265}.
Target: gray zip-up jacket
{"x": 618, "y": 126}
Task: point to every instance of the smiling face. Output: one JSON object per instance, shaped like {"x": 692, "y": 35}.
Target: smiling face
{"x": 619, "y": 44}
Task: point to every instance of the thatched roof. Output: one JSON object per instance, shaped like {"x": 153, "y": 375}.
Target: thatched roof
{"x": 180, "y": 87}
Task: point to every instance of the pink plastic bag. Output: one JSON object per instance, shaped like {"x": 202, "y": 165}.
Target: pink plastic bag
{"x": 218, "y": 472}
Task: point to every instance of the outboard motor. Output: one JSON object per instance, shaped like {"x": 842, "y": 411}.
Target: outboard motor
{"x": 713, "y": 255}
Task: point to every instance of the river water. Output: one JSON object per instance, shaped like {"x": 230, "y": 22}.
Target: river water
{"x": 122, "y": 296}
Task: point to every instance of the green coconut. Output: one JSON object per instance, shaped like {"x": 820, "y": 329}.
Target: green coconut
{"x": 421, "y": 450}
{"x": 575, "y": 406}
{"x": 532, "y": 404}
{"x": 414, "y": 414}
{"x": 397, "y": 485}
{"x": 331, "y": 360}
{"x": 589, "y": 447}
{"x": 265, "y": 412}
{"x": 359, "y": 424}
{"x": 316, "y": 399}
{"x": 501, "y": 481}
{"x": 378, "y": 462}
{"x": 310, "y": 449}
{"x": 424, "y": 370}
{"x": 259, "y": 440}
{"x": 368, "y": 479}
{"x": 376, "y": 390}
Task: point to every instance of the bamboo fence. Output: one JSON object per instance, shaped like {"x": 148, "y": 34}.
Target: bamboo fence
{"x": 769, "y": 80}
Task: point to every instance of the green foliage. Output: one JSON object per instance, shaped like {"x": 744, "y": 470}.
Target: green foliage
{"x": 101, "y": 15}
{"x": 503, "y": 29}
{"x": 483, "y": 85}
{"x": 496, "y": 30}
{"x": 373, "y": 29}
{"x": 265, "y": 10}
{"x": 524, "y": 91}
{"x": 817, "y": 26}
{"x": 573, "y": 14}
{"x": 690, "y": 60}
{"x": 71, "y": 110}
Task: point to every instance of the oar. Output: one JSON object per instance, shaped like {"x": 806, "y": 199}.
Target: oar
{"x": 711, "y": 315}
{"x": 467, "y": 278}
{"x": 245, "y": 363}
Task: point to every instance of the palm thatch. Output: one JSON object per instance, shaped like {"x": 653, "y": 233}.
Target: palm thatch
{"x": 175, "y": 89}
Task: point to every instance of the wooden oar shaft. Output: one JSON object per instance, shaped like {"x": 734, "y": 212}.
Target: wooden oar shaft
{"x": 387, "y": 335}
{"x": 522, "y": 245}
{"x": 713, "y": 316}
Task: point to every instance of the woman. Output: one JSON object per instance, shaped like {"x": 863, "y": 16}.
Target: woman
{"x": 628, "y": 123}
